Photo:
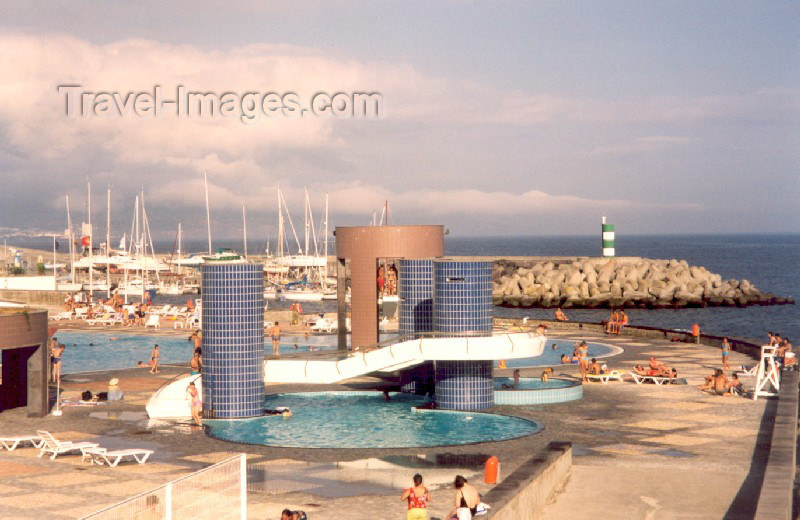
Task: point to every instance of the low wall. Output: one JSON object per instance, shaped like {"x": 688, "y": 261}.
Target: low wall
{"x": 775, "y": 499}
{"x": 747, "y": 346}
{"x": 524, "y": 493}
{"x": 52, "y": 298}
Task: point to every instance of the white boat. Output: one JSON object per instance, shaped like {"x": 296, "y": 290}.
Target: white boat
{"x": 301, "y": 295}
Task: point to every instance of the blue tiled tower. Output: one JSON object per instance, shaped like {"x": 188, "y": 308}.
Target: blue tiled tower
{"x": 462, "y": 297}
{"x": 415, "y": 289}
{"x": 462, "y": 303}
{"x": 416, "y": 295}
{"x": 233, "y": 339}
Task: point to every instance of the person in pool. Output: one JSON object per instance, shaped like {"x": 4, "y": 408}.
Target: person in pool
{"x": 546, "y": 374}
{"x": 565, "y": 359}
{"x": 553, "y": 347}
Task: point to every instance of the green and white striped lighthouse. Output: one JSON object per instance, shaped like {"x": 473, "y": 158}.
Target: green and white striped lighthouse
{"x": 608, "y": 238}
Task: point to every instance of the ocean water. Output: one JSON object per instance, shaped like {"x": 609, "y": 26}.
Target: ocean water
{"x": 771, "y": 262}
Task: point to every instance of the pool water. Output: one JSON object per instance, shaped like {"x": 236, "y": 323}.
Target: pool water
{"x": 117, "y": 348}
{"x": 366, "y": 420}
{"x": 527, "y": 383}
{"x": 552, "y": 357}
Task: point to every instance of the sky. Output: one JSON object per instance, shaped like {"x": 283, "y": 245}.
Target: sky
{"x": 498, "y": 118}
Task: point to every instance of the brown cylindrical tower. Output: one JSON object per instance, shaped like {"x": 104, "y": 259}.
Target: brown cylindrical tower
{"x": 362, "y": 247}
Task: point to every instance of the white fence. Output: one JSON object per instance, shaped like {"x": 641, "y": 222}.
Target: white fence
{"x": 218, "y": 492}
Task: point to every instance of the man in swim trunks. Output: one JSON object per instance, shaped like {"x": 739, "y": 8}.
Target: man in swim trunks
{"x": 154, "y": 360}
{"x": 195, "y": 363}
{"x": 55, "y": 358}
{"x": 275, "y": 332}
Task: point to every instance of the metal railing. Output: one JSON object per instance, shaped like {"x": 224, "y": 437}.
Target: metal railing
{"x": 217, "y": 492}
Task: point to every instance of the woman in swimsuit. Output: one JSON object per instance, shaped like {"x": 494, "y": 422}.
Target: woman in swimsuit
{"x": 466, "y": 500}
{"x": 196, "y": 403}
{"x": 418, "y": 496}
{"x": 726, "y": 350}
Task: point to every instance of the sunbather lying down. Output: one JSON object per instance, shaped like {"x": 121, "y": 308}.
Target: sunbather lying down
{"x": 661, "y": 371}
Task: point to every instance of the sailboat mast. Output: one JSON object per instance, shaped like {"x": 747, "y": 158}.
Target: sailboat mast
{"x": 108, "y": 243}
{"x": 307, "y": 209}
{"x": 325, "y": 272}
{"x": 280, "y": 225}
{"x": 208, "y": 212}
{"x": 179, "y": 249}
{"x": 71, "y": 243}
{"x": 244, "y": 230}
{"x": 89, "y": 218}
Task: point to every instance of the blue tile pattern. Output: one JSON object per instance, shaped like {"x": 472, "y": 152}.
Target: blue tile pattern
{"x": 464, "y": 385}
{"x": 233, "y": 340}
{"x": 415, "y": 279}
{"x": 462, "y": 296}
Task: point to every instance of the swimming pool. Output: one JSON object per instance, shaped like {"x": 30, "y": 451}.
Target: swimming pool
{"x": 366, "y": 420}
{"x": 118, "y": 348}
{"x": 532, "y": 391}
{"x": 552, "y": 357}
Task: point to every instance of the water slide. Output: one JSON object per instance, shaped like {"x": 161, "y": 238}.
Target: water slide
{"x": 500, "y": 345}
{"x": 171, "y": 400}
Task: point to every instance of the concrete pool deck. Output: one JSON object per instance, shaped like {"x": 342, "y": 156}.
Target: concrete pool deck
{"x": 640, "y": 451}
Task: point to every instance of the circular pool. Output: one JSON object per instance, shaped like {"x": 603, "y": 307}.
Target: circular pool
{"x": 366, "y": 420}
{"x": 552, "y": 356}
{"x": 531, "y": 391}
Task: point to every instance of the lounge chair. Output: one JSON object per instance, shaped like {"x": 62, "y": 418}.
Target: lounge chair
{"x": 51, "y": 445}
{"x": 322, "y": 324}
{"x": 12, "y": 441}
{"x": 751, "y": 370}
{"x": 66, "y": 315}
{"x": 154, "y": 320}
{"x": 613, "y": 375}
{"x": 659, "y": 380}
{"x": 105, "y": 319}
{"x": 98, "y": 455}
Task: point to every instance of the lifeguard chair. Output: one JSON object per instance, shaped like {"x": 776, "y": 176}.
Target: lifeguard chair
{"x": 767, "y": 373}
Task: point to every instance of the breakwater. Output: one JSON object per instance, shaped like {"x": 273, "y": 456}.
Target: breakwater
{"x": 619, "y": 282}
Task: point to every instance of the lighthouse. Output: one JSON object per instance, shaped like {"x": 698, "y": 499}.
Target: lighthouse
{"x": 608, "y": 238}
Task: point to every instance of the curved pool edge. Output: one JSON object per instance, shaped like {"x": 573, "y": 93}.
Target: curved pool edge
{"x": 536, "y": 396}
{"x": 539, "y": 427}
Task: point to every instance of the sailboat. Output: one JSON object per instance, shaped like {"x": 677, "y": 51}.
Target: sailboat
{"x": 307, "y": 267}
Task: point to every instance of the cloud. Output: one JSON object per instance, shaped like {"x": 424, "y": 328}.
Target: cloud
{"x": 402, "y": 157}
{"x": 645, "y": 144}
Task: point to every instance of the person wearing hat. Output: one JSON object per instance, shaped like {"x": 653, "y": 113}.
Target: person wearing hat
{"x": 114, "y": 393}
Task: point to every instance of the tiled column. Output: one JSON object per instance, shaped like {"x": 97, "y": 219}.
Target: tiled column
{"x": 462, "y": 303}
{"x": 464, "y": 385}
{"x": 416, "y": 296}
{"x": 233, "y": 340}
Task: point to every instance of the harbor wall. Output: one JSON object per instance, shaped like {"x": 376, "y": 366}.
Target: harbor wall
{"x": 583, "y": 282}
{"x": 48, "y": 298}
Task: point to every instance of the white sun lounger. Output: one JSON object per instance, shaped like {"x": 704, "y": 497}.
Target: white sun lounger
{"x": 51, "y": 445}
{"x": 98, "y": 455}
{"x": 154, "y": 320}
{"x": 639, "y": 379}
{"x": 12, "y": 441}
{"x": 613, "y": 375}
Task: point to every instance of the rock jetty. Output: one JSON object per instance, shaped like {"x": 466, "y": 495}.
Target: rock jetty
{"x": 619, "y": 282}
